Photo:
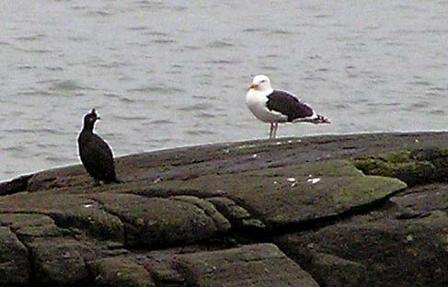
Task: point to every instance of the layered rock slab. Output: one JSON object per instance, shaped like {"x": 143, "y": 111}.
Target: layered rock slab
{"x": 106, "y": 215}
{"x": 184, "y": 163}
{"x": 67, "y": 210}
{"x": 247, "y": 265}
{"x": 381, "y": 252}
{"x": 156, "y": 222}
{"x": 254, "y": 265}
{"x": 294, "y": 194}
{"x": 120, "y": 271}
{"x": 60, "y": 261}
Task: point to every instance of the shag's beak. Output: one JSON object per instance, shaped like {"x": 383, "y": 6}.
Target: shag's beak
{"x": 98, "y": 118}
{"x": 253, "y": 86}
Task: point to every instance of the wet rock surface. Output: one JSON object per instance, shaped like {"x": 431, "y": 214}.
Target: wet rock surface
{"x": 250, "y": 265}
{"x": 357, "y": 210}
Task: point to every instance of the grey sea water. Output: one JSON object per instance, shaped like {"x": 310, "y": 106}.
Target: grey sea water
{"x": 173, "y": 73}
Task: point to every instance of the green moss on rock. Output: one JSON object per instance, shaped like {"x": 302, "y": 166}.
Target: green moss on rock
{"x": 293, "y": 194}
{"x": 413, "y": 167}
{"x": 397, "y": 157}
{"x": 368, "y": 189}
{"x": 160, "y": 221}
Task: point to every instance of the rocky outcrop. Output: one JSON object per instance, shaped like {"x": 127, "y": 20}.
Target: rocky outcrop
{"x": 358, "y": 210}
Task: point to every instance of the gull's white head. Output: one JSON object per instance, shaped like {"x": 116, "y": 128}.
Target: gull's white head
{"x": 260, "y": 83}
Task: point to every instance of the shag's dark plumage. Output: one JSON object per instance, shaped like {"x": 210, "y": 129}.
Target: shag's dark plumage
{"x": 95, "y": 153}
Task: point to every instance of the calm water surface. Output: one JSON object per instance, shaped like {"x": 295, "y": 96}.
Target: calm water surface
{"x": 174, "y": 73}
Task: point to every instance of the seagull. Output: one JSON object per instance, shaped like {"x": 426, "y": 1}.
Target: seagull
{"x": 277, "y": 106}
{"x": 95, "y": 153}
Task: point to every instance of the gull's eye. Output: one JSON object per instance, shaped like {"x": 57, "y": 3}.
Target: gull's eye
{"x": 263, "y": 81}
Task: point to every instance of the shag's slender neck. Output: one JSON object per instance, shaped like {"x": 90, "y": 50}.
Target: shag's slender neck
{"x": 88, "y": 126}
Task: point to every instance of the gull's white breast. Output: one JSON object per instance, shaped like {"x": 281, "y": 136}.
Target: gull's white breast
{"x": 256, "y": 102}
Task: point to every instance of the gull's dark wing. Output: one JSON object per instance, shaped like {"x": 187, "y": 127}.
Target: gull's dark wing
{"x": 288, "y": 105}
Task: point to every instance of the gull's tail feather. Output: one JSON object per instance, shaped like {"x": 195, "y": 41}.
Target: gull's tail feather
{"x": 322, "y": 120}
{"x": 314, "y": 119}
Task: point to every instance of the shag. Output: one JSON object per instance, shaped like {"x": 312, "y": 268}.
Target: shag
{"x": 95, "y": 153}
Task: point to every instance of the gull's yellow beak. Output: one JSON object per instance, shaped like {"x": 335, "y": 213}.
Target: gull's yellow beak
{"x": 253, "y": 86}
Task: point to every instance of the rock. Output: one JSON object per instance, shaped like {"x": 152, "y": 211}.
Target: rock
{"x": 229, "y": 208}
{"x": 67, "y": 210}
{"x": 393, "y": 252}
{"x": 438, "y": 157}
{"x": 255, "y": 265}
{"x": 332, "y": 271}
{"x": 60, "y": 261}
{"x": 16, "y": 185}
{"x": 238, "y": 216}
{"x": 161, "y": 269}
{"x": 335, "y": 205}
{"x": 14, "y": 266}
{"x": 423, "y": 199}
{"x": 209, "y": 209}
{"x": 58, "y": 177}
{"x": 120, "y": 271}
{"x": 30, "y": 226}
{"x": 412, "y": 166}
{"x": 293, "y": 197}
{"x": 185, "y": 163}
{"x": 160, "y": 222}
